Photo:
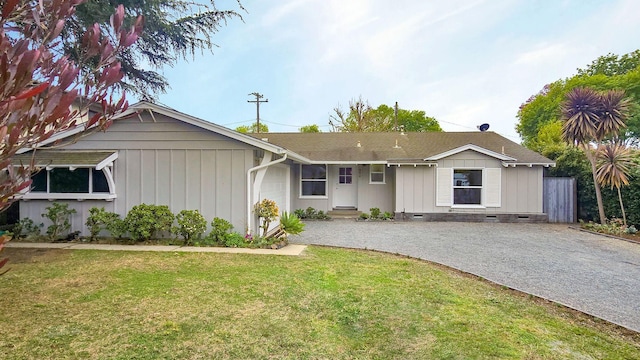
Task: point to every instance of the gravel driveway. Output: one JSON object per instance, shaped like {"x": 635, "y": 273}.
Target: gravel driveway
{"x": 591, "y": 273}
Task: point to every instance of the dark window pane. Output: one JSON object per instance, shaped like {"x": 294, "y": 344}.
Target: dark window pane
{"x": 377, "y": 177}
{"x": 345, "y": 179}
{"x": 347, "y": 171}
{"x": 341, "y": 171}
{"x": 467, "y": 178}
{"x": 39, "y": 181}
{"x": 311, "y": 188}
{"x": 100, "y": 184}
{"x": 469, "y": 196}
{"x": 314, "y": 172}
{"x": 66, "y": 181}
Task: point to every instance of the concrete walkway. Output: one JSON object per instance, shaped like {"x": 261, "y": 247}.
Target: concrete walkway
{"x": 289, "y": 250}
{"x": 591, "y": 273}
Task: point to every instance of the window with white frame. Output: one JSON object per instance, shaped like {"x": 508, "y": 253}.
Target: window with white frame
{"x": 467, "y": 187}
{"x": 313, "y": 180}
{"x": 66, "y": 181}
{"x": 376, "y": 174}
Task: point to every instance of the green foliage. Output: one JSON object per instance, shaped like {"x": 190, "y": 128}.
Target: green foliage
{"x": 361, "y": 117}
{"x": 144, "y": 221}
{"x": 387, "y": 216}
{"x": 253, "y": 128}
{"x": 364, "y": 216}
{"x": 173, "y": 30}
{"x": 310, "y": 129}
{"x": 59, "y": 215}
{"x": 27, "y": 228}
{"x": 191, "y": 225}
{"x": 606, "y": 73}
{"x": 99, "y": 219}
{"x": 614, "y": 226}
{"x": 234, "y": 240}
{"x": 408, "y": 120}
{"x": 375, "y": 213}
{"x": 267, "y": 210}
{"x": 311, "y": 213}
{"x": 220, "y": 228}
{"x": 291, "y": 224}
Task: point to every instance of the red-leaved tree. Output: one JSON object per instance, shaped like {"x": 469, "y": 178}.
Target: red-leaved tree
{"x": 39, "y": 85}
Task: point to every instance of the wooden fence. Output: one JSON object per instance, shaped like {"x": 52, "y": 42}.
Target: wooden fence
{"x": 560, "y": 201}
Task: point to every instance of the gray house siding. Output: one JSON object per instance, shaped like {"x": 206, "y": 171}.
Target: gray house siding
{"x": 520, "y": 187}
{"x": 376, "y": 195}
{"x": 167, "y": 162}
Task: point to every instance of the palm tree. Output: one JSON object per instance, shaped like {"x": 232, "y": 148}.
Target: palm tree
{"x": 614, "y": 164}
{"x": 589, "y": 118}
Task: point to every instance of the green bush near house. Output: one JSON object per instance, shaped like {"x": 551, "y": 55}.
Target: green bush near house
{"x": 144, "y": 222}
{"x": 59, "y": 215}
{"x": 191, "y": 225}
{"x": 99, "y": 219}
{"x": 291, "y": 224}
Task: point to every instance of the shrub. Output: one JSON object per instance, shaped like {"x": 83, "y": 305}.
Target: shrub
{"x": 234, "y": 240}
{"x": 144, "y": 221}
{"x": 387, "y": 216}
{"x": 27, "y": 228}
{"x": 364, "y": 216}
{"x": 375, "y": 213}
{"x": 291, "y": 224}
{"x": 267, "y": 210}
{"x": 191, "y": 224}
{"x": 219, "y": 230}
{"x": 59, "y": 214}
{"x": 99, "y": 219}
{"x": 311, "y": 213}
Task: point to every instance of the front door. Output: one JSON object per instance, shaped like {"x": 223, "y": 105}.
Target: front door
{"x": 345, "y": 193}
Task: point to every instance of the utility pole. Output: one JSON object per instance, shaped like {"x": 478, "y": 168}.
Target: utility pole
{"x": 257, "y": 101}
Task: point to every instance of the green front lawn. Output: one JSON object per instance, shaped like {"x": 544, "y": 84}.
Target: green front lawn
{"x": 327, "y": 304}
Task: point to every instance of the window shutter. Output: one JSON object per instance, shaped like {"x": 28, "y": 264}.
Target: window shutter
{"x": 444, "y": 187}
{"x": 492, "y": 186}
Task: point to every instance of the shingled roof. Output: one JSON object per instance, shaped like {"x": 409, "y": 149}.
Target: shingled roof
{"x": 369, "y": 147}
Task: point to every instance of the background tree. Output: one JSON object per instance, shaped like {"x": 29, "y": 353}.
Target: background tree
{"x": 605, "y": 73}
{"x": 590, "y": 117}
{"x": 253, "y": 128}
{"x": 310, "y": 129}
{"x": 174, "y": 30}
{"x": 614, "y": 166}
{"x": 363, "y": 118}
{"x": 408, "y": 120}
{"x": 38, "y": 85}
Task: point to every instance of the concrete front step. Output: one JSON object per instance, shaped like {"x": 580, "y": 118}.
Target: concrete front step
{"x": 344, "y": 213}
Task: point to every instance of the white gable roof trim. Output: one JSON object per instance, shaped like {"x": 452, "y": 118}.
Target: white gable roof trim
{"x": 250, "y": 140}
{"x": 172, "y": 113}
{"x": 475, "y": 148}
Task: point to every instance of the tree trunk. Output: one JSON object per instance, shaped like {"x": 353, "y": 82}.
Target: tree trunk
{"x": 596, "y": 185}
{"x": 624, "y": 216}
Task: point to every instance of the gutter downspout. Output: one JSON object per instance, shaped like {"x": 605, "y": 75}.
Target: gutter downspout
{"x": 249, "y": 199}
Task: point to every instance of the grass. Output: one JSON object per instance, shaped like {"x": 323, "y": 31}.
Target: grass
{"x": 327, "y": 304}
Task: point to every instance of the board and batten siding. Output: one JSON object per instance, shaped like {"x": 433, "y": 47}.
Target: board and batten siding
{"x": 519, "y": 192}
{"x": 376, "y": 195}
{"x": 167, "y": 162}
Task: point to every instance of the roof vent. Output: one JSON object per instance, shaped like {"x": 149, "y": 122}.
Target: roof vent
{"x": 265, "y": 139}
{"x": 358, "y": 144}
{"x": 396, "y": 146}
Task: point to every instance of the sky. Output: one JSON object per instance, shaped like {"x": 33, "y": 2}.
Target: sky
{"x": 464, "y": 62}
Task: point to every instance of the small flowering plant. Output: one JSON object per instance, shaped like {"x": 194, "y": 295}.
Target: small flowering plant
{"x": 268, "y": 211}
